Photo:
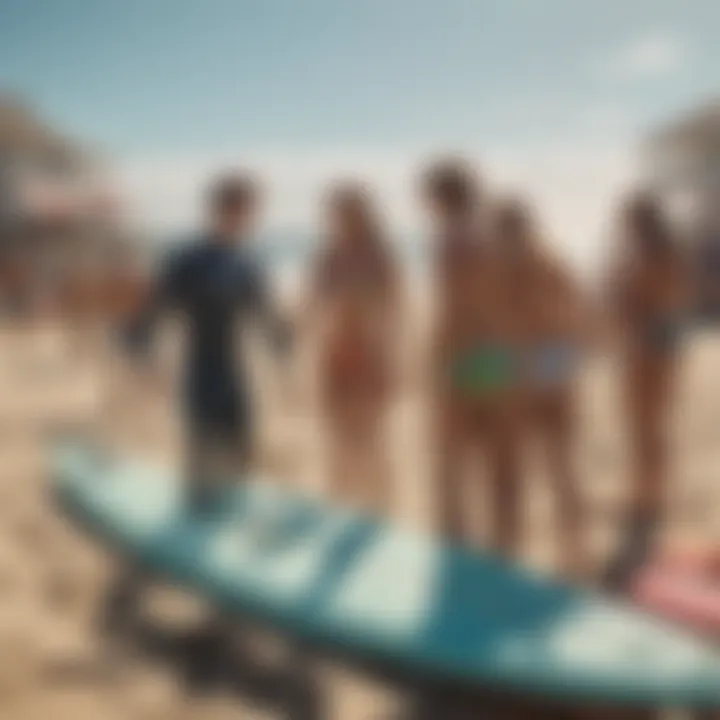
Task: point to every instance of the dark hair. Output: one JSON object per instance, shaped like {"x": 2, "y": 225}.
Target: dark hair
{"x": 645, "y": 218}
{"x": 232, "y": 192}
{"x": 452, "y": 183}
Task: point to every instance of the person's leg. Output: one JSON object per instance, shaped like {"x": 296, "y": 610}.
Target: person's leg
{"x": 239, "y": 435}
{"x": 197, "y": 452}
{"x": 379, "y": 477}
{"x": 642, "y": 517}
{"x": 341, "y": 455}
{"x": 211, "y": 452}
{"x": 501, "y": 433}
{"x": 448, "y": 446}
{"x": 368, "y": 461}
{"x": 651, "y": 458}
{"x": 557, "y": 428}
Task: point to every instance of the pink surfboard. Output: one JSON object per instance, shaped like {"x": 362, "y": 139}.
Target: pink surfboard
{"x": 683, "y": 587}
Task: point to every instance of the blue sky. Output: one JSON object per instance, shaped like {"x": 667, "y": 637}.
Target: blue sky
{"x": 550, "y": 94}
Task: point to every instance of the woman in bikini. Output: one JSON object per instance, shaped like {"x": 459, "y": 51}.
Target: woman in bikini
{"x": 554, "y": 324}
{"x": 474, "y": 383}
{"x": 650, "y": 298}
{"x": 355, "y": 299}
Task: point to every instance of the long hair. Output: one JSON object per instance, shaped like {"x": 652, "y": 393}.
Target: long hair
{"x": 354, "y": 200}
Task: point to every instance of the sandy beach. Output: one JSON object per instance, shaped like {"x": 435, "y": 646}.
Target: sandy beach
{"x": 54, "y": 663}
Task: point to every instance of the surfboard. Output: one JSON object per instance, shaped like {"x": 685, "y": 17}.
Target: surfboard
{"x": 385, "y": 592}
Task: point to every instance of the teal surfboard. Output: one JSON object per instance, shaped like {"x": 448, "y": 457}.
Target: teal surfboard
{"x": 385, "y": 592}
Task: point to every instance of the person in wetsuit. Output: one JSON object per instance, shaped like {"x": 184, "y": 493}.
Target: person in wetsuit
{"x": 217, "y": 288}
{"x": 650, "y": 294}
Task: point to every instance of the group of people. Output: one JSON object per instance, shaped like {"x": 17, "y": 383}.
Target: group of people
{"x": 511, "y": 327}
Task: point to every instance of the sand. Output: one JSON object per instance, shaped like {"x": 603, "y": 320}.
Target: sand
{"x": 54, "y": 663}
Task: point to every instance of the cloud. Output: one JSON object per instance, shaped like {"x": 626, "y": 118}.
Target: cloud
{"x": 655, "y": 55}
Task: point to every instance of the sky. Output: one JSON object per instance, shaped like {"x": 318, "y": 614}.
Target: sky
{"x": 550, "y": 97}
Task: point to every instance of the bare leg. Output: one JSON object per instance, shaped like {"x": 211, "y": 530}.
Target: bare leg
{"x": 341, "y": 459}
{"x": 646, "y": 411}
{"x": 209, "y": 453}
{"x": 448, "y": 447}
{"x": 558, "y": 436}
{"x": 504, "y": 461}
{"x": 650, "y": 469}
{"x": 374, "y": 456}
{"x": 649, "y": 409}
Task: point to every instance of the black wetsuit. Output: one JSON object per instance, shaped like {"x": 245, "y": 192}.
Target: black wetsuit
{"x": 217, "y": 289}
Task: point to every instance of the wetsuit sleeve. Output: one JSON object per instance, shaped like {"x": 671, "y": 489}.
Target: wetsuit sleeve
{"x": 263, "y": 305}
{"x": 165, "y": 293}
